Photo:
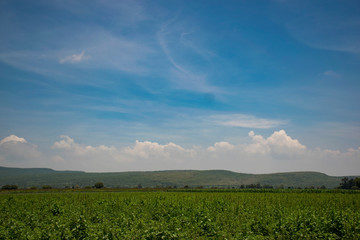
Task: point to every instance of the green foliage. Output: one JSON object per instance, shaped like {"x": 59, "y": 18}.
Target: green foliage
{"x": 357, "y": 182}
{"x": 201, "y": 214}
{"x": 99, "y": 185}
{"x": 9, "y": 187}
{"x": 351, "y": 183}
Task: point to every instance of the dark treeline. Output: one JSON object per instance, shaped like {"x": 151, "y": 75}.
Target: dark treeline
{"x": 351, "y": 183}
{"x": 346, "y": 183}
{"x": 101, "y": 185}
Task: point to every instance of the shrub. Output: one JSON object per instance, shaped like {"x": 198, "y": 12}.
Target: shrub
{"x": 99, "y": 185}
{"x": 9, "y": 187}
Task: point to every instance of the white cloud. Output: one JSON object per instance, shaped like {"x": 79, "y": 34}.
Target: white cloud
{"x": 67, "y": 143}
{"x": 74, "y": 58}
{"x": 279, "y": 143}
{"x": 246, "y": 121}
{"x": 277, "y": 153}
{"x": 17, "y": 152}
{"x": 104, "y": 158}
{"x": 221, "y": 146}
{"x": 149, "y": 149}
{"x": 13, "y": 139}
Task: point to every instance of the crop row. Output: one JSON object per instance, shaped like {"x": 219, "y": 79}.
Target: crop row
{"x": 179, "y": 215}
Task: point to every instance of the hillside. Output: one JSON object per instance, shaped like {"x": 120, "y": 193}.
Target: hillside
{"x": 28, "y": 177}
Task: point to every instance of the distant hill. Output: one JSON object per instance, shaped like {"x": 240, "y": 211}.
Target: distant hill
{"x": 28, "y": 177}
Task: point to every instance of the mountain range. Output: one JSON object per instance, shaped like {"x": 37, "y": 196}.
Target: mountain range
{"x": 38, "y": 177}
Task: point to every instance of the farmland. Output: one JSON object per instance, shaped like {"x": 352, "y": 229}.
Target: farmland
{"x": 201, "y": 214}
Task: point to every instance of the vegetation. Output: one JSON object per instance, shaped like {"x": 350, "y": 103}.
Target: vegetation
{"x": 9, "y": 187}
{"x": 202, "y": 214}
{"x": 99, "y": 185}
{"x": 351, "y": 183}
{"x": 38, "y": 177}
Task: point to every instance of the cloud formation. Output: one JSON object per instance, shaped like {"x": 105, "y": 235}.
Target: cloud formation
{"x": 17, "y": 152}
{"x": 277, "y": 153}
{"x": 72, "y": 150}
{"x": 74, "y": 58}
{"x": 279, "y": 142}
{"x": 12, "y": 139}
{"x": 149, "y": 149}
{"x": 245, "y": 121}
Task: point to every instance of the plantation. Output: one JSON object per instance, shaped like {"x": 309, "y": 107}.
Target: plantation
{"x": 180, "y": 215}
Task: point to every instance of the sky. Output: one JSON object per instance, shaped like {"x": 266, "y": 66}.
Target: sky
{"x": 247, "y": 86}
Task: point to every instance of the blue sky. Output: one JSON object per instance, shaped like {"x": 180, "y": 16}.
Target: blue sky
{"x": 110, "y": 79}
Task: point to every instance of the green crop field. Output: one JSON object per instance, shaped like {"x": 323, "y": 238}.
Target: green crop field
{"x": 180, "y": 215}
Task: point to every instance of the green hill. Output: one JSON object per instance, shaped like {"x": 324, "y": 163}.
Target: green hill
{"x": 28, "y": 177}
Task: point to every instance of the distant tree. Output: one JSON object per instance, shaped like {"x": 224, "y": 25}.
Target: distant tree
{"x": 99, "y": 185}
{"x": 9, "y": 187}
{"x": 140, "y": 186}
{"x": 46, "y": 187}
{"x": 344, "y": 183}
{"x": 357, "y": 182}
{"x": 253, "y": 185}
{"x": 347, "y": 183}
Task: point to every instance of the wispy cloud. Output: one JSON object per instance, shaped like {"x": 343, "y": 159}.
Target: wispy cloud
{"x": 331, "y": 73}
{"x": 120, "y": 53}
{"x": 186, "y": 40}
{"x": 103, "y": 47}
{"x": 246, "y": 121}
{"x": 325, "y": 28}
{"x": 181, "y": 75}
{"x": 75, "y": 58}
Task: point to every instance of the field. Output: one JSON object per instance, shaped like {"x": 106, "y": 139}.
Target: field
{"x": 180, "y": 215}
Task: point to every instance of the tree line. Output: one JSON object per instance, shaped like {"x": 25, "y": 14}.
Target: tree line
{"x": 346, "y": 183}
{"x": 351, "y": 183}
